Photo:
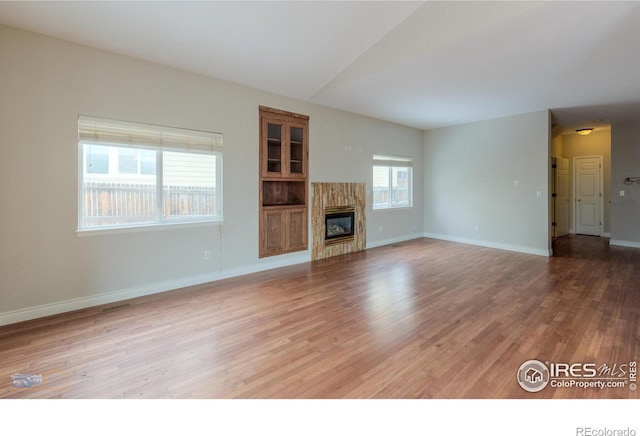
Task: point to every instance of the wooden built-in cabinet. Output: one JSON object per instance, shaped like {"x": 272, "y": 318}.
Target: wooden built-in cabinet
{"x": 284, "y": 167}
{"x": 283, "y": 230}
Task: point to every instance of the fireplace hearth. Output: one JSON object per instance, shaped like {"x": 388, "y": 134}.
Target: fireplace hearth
{"x": 339, "y": 224}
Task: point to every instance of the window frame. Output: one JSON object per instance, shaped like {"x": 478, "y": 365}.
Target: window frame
{"x": 160, "y": 219}
{"x": 389, "y": 163}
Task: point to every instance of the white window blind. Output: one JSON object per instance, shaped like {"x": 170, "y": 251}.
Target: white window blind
{"x": 392, "y": 161}
{"x": 105, "y": 131}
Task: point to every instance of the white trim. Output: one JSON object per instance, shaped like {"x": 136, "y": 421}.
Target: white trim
{"x": 391, "y": 208}
{"x": 43, "y": 310}
{"x": 620, "y": 243}
{"x": 490, "y": 244}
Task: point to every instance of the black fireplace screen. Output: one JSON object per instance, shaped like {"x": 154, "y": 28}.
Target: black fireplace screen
{"x": 339, "y": 225}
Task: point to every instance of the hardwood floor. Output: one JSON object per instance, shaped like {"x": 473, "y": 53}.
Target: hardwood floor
{"x": 420, "y": 319}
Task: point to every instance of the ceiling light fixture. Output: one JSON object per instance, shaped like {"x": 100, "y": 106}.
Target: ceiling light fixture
{"x": 584, "y": 131}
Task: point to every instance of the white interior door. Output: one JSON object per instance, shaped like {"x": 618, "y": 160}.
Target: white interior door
{"x": 588, "y": 195}
{"x": 561, "y": 199}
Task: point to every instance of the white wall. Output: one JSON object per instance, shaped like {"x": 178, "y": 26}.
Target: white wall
{"x": 488, "y": 174}
{"x": 625, "y": 162}
{"x": 46, "y": 83}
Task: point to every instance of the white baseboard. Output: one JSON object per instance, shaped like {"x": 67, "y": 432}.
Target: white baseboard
{"x": 263, "y": 265}
{"x": 140, "y": 291}
{"x": 393, "y": 240}
{"x": 44, "y": 310}
{"x": 620, "y": 243}
{"x": 489, "y": 244}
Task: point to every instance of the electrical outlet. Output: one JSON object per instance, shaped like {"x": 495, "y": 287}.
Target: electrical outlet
{"x": 477, "y": 229}
{"x": 207, "y": 254}
{"x": 380, "y": 229}
{"x": 621, "y": 193}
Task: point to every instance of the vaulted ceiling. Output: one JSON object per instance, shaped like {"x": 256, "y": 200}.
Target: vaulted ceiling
{"x": 421, "y": 64}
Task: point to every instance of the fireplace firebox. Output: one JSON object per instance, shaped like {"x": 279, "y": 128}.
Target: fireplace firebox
{"x": 339, "y": 224}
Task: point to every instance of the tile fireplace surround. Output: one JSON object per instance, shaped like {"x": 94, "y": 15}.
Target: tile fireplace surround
{"x": 325, "y": 195}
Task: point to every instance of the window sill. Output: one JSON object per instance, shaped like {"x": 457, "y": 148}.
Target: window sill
{"x": 392, "y": 208}
{"x": 146, "y": 228}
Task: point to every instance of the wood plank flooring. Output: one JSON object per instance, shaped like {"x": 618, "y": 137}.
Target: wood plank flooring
{"x": 420, "y": 319}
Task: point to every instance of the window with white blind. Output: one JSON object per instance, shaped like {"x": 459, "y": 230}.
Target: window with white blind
{"x": 139, "y": 175}
{"x": 392, "y": 182}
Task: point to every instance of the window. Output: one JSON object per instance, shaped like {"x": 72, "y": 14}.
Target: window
{"x": 138, "y": 174}
{"x": 392, "y": 182}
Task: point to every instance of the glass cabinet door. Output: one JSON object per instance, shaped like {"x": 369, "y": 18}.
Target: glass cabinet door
{"x": 296, "y": 151}
{"x": 274, "y": 148}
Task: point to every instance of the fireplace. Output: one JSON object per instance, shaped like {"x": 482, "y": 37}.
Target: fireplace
{"x": 340, "y": 224}
{"x": 350, "y": 198}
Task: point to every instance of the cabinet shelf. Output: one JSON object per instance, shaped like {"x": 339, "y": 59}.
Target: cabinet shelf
{"x": 283, "y": 206}
{"x": 283, "y": 193}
